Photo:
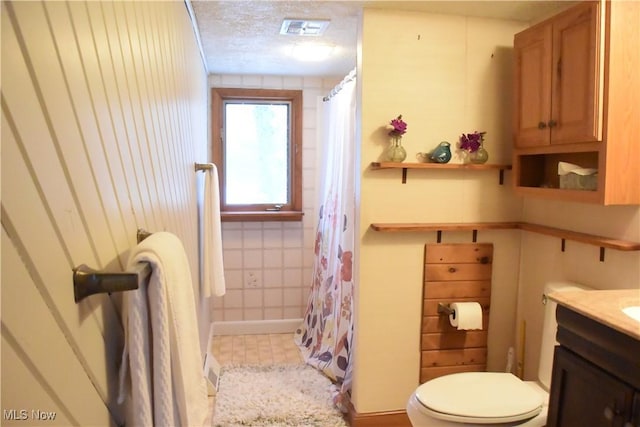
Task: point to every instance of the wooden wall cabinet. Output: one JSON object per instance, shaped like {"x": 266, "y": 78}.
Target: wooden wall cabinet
{"x": 576, "y": 91}
{"x": 558, "y": 88}
{"x": 596, "y": 375}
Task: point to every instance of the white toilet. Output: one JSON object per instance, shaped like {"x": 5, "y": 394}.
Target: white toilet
{"x": 491, "y": 398}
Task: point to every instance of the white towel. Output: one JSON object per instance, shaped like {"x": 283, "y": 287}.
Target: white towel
{"x": 167, "y": 383}
{"x": 213, "y": 277}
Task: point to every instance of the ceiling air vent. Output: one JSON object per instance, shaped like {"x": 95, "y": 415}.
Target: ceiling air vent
{"x": 304, "y": 27}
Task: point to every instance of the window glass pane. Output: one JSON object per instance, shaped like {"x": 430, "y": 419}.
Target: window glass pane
{"x": 256, "y": 153}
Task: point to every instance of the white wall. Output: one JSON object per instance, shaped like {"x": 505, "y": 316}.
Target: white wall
{"x": 542, "y": 259}
{"x": 446, "y": 75}
{"x": 268, "y": 265}
{"x": 104, "y": 112}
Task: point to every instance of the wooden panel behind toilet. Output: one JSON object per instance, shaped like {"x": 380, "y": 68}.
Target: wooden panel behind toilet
{"x": 456, "y": 272}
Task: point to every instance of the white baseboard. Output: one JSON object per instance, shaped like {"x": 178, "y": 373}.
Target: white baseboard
{"x": 253, "y": 327}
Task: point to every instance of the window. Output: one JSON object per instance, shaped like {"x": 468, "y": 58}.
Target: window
{"x": 257, "y": 147}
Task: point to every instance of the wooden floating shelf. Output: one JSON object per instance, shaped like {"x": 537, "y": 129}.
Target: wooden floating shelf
{"x": 400, "y": 165}
{"x": 450, "y": 166}
{"x": 444, "y": 226}
{"x": 590, "y": 239}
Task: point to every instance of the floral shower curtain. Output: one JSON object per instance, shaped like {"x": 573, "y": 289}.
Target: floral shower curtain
{"x": 325, "y": 335}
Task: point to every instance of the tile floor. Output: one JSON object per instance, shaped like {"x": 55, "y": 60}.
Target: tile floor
{"x": 265, "y": 349}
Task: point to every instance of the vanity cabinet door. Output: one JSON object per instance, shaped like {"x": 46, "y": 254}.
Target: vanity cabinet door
{"x": 635, "y": 419}
{"x": 585, "y": 395}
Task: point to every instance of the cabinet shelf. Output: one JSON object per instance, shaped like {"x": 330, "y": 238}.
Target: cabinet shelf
{"x": 583, "y": 196}
{"x": 456, "y": 166}
{"x": 590, "y": 239}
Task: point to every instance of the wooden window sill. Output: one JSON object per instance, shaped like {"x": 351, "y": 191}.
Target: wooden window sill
{"x": 261, "y": 216}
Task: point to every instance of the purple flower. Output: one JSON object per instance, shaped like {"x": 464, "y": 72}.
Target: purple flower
{"x": 399, "y": 126}
{"x": 471, "y": 141}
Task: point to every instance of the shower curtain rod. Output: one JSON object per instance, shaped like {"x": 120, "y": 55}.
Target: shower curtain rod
{"x": 338, "y": 87}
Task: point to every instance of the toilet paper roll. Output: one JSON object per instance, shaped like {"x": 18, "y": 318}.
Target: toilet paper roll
{"x": 466, "y": 315}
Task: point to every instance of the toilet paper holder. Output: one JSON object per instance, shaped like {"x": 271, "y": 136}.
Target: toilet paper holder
{"x": 445, "y": 309}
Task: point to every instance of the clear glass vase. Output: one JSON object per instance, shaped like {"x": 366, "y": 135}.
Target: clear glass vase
{"x": 479, "y": 156}
{"x": 396, "y": 152}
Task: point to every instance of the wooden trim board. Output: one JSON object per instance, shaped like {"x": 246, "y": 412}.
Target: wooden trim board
{"x": 589, "y": 239}
{"x": 378, "y": 419}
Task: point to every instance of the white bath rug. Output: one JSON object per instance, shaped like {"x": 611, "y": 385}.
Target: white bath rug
{"x": 275, "y": 396}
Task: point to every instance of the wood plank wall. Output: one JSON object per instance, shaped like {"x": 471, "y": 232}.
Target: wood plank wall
{"x": 104, "y": 112}
{"x": 454, "y": 273}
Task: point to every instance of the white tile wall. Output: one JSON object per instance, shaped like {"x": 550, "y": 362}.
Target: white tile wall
{"x": 268, "y": 265}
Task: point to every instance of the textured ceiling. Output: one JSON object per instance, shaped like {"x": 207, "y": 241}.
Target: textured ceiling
{"x": 242, "y": 36}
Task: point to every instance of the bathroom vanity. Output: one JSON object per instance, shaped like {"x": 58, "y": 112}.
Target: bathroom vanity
{"x": 596, "y": 367}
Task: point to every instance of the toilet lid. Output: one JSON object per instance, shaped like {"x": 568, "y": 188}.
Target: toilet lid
{"x": 480, "y": 397}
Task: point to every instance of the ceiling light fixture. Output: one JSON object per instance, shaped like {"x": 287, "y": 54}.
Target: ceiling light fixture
{"x": 304, "y": 27}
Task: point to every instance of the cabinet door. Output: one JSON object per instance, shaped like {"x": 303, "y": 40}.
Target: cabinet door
{"x": 532, "y": 86}
{"x": 576, "y": 96}
{"x": 635, "y": 419}
{"x": 584, "y": 395}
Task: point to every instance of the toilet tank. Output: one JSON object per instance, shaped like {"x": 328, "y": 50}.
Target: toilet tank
{"x": 549, "y": 328}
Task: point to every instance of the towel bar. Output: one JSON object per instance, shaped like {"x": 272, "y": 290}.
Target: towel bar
{"x": 142, "y": 234}
{"x": 203, "y": 166}
{"x": 87, "y": 281}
